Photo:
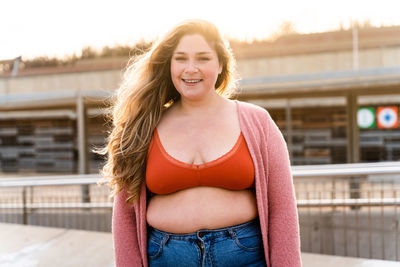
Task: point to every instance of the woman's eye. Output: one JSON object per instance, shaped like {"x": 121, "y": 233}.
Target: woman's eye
{"x": 204, "y": 59}
{"x": 179, "y": 58}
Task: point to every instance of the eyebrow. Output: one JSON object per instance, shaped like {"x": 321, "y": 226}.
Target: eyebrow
{"x": 199, "y": 53}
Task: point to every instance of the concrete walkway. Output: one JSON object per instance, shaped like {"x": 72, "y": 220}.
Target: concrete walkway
{"x": 319, "y": 260}
{"x": 35, "y": 246}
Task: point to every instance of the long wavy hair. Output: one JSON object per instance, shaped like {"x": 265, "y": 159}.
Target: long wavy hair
{"x": 144, "y": 94}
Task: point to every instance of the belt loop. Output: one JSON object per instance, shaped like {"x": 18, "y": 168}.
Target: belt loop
{"x": 165, "y": 239}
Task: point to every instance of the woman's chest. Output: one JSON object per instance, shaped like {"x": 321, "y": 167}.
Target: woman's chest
{"x": 198, "y": 144}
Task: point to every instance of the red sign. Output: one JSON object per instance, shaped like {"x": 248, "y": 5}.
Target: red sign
{"x": 388, "y": 117}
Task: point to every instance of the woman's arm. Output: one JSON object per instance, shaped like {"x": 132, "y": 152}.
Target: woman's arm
{"x": 284, "y": 238}
{"x": 124, "y": 230}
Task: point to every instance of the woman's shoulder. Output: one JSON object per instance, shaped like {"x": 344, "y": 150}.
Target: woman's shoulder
{"x": 250, "y": 109}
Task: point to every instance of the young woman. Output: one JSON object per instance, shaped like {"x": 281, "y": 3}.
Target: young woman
{"x": 198, "y": 179}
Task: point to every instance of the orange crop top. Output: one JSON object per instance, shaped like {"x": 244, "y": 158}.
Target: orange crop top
{"x": 165, "y": 174}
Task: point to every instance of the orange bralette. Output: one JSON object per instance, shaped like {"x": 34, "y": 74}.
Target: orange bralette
{"x": 165, "y": 174}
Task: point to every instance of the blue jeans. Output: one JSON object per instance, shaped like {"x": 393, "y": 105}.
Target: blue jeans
{"x": 239, "y": 245}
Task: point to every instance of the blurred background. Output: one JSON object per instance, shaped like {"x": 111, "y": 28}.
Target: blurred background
{"x": 327, "y": 71}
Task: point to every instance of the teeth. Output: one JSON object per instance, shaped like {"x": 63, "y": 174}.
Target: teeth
{"x": 192, "y": 81}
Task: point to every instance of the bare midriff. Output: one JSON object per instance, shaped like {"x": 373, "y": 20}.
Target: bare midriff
{"x": 189, "y": 210}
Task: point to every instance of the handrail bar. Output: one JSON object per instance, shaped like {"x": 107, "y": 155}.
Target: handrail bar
{"x": 348, "y": 202}
{"x": 365, "y": 171}
{"x": 300, "y": 203}
{"x": 350, "y": 169}
{"x": 348, "y": 165}
{"x": 32, "y": 181}
{"x": 52, "y": 205}
{"x": 327, "y": 170}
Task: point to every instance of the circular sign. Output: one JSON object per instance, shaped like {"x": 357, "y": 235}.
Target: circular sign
{"x": 366, "y": 118}
{"x": 387, "y": 117}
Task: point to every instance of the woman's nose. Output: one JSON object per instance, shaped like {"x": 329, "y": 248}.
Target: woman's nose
{"x": 191, "y": 66}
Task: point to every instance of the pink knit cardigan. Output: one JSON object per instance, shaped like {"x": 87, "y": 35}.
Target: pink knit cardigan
{"x": 274, "y": 192}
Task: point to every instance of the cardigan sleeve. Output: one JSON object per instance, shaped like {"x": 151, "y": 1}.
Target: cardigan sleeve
{"x": 124, "y": 230}
{"x": 284, "y": 239}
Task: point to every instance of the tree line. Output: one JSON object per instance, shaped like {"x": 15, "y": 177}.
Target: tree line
{"x": 86, "y": 53}
{"x": 286, "y": 28}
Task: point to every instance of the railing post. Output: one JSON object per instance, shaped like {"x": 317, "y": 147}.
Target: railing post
{"x": 24, "y": 209}
{"x": 354, "y": 190}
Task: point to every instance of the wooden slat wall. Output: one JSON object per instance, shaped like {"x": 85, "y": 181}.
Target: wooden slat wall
{"x": 38, "y": 146}
{"x": 319, "y": 135}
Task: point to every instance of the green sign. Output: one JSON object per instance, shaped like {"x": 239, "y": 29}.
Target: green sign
{"x": 366, "y": 118}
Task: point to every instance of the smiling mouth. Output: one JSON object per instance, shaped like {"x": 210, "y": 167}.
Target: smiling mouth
{"x": 192, "y": 80}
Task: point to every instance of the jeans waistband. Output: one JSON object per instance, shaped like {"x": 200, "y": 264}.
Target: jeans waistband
{"x": 206, "y": 233}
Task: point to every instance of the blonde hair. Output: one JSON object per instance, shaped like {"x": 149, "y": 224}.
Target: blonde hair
{"x": 146, "y": 91}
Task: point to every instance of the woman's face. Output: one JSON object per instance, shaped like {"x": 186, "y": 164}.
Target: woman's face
{"x": 194, "y": 67}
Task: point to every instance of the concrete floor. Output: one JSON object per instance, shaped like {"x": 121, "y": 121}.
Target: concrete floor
{"x": 319, "y": 260}
{"x": 35, "y": 246}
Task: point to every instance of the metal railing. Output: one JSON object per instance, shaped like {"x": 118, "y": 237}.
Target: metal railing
{"x": 349, "y": 209}
{"x": 56, "y": 201}
{"x": 344, "y": 209}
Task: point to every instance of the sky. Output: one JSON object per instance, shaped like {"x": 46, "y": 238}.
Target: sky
{"x": 63, "y": 27}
